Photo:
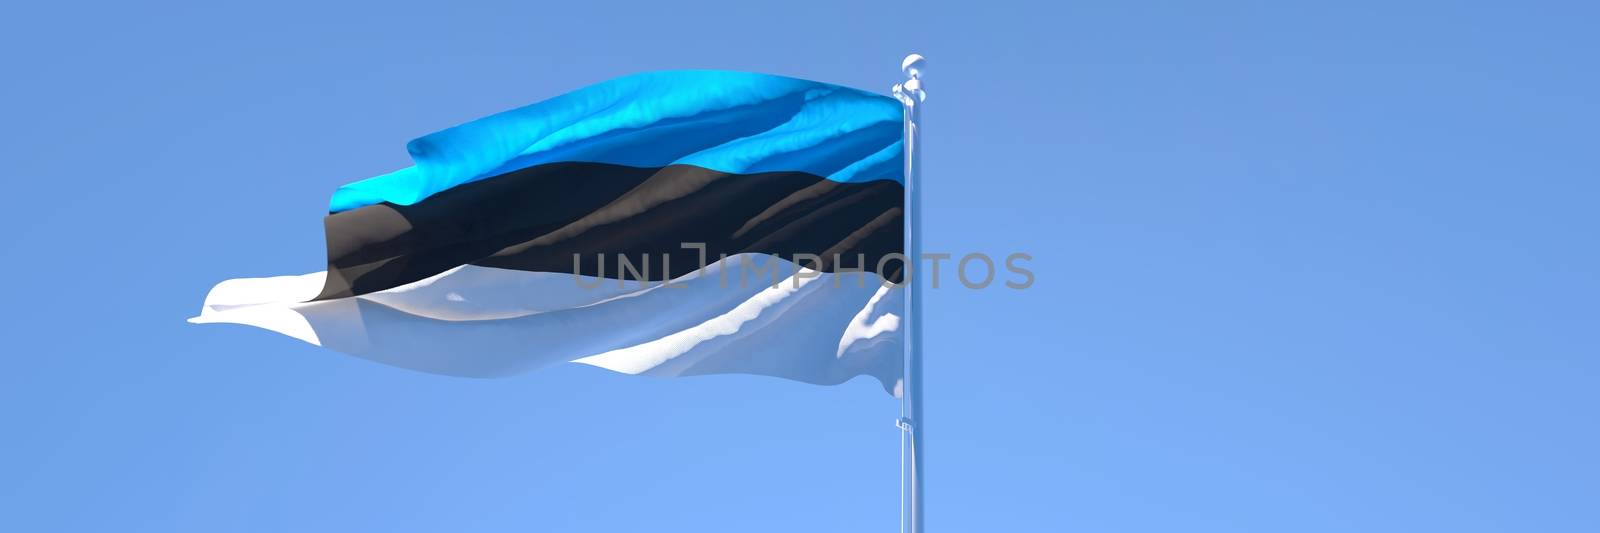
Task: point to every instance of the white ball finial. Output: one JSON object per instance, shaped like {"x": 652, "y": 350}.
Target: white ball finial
{"x": 913, "y": 66}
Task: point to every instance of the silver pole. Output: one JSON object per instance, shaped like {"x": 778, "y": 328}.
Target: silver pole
{"x": 912, "y": 431}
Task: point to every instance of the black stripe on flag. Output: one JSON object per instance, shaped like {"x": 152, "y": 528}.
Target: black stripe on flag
{"x": 539, "y": 218}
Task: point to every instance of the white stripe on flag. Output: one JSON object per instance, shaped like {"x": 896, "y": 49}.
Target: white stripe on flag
{"x": 483, "y": 322}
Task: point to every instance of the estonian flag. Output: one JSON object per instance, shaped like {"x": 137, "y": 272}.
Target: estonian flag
{"x": 633, "y": 225}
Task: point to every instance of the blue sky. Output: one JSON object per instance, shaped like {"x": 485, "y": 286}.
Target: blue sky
{"x": 1300, "y": 268}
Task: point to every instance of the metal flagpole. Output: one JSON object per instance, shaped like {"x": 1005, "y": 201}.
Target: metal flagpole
{"x": 911, "y": 95}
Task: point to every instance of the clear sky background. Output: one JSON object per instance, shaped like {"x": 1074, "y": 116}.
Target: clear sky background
{"x": 1300, "y": 268}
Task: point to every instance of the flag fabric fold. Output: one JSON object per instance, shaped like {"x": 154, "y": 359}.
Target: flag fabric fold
{"x": 667, "y": 223}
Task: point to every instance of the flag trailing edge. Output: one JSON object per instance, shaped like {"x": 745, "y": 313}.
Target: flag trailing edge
{"x": 489, "y": 256}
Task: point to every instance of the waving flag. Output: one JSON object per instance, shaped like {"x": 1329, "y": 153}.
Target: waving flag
{"x": 667, "y": 223}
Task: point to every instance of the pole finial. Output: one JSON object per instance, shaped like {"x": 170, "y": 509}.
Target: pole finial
{"x": 910, "y": 92}
{"x": 913, "y": 65}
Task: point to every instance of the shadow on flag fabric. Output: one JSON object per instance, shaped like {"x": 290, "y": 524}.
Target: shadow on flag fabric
{"x": 666, "y": 224}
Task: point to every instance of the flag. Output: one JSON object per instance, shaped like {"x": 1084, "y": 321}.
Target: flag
{"x": 666, "y": 223}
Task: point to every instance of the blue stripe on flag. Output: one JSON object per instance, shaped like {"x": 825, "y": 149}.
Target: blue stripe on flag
{"x": 735, "y": 122}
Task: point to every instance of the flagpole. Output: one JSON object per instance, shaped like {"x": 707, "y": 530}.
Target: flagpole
{"x": 911, "y": 95}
